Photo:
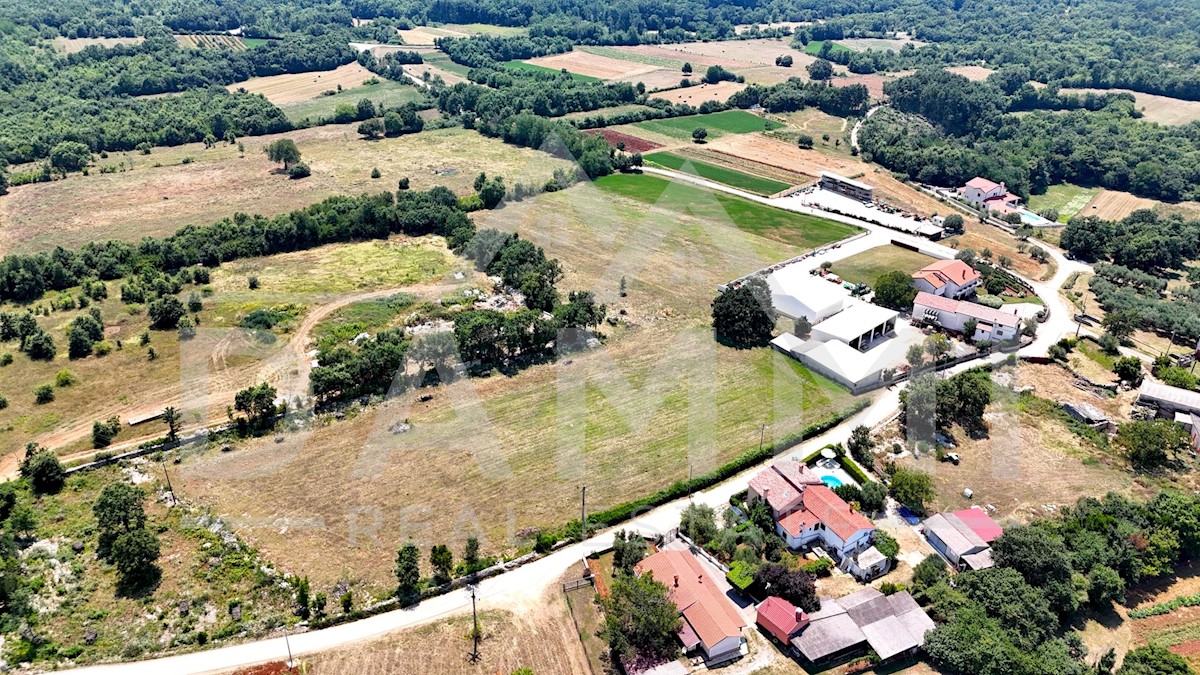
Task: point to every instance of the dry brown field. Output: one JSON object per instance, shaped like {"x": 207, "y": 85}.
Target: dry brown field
{"x": 739, "y": 53}
{"x": 593, "y": 65}
{"x": 448, "y": 77}
{"x": 672, "y": 54}
{"x": 874, "y": 82}
{"x": 73, "y": 45}
{"x": 425, "y": 35}
{"x": 1159, "y": 109}
{"x": 656, "y": 80}
{"x": 980, "y": 236}
{"x": 1028, "y": 465}
{"x": 695, "y": 95}
{"x": 1113, "y": 205}
{"x": 294, "y": 87}
{"x": 786, "y": 156}
{"x": 541, "y": 638}
{"x": 155, "y": 201}
{"x": 973, "y": 73}
{"x": 508, "y": 452}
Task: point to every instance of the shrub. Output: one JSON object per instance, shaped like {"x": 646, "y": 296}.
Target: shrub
{"x": 44, "y": 394}
{"x": 821, "y": 567}
{"x": 252, "y": 282}
{"x": 375, "y": 173}
{"x": 3, "y": 402}
{"x": 64, "y": 378}
{"x": 300, "y": 170}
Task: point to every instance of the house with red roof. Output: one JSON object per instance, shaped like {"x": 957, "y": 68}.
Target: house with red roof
{"x": 947, "y": 278}
{"x": 993, "y": 325}
{"x": 711, "y": 623}
{"x": 781, "y": 618}
{"x": 989, "y": 196}
{"x": 807, "y": 512}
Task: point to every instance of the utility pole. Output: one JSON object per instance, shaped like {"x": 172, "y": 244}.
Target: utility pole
{"x": 475, "y": 630}
{"x": 762, "y": 432}
{"x": 583, "y": 513}
{"x": 291, "y": 662}
{"x": 166, "y": 475}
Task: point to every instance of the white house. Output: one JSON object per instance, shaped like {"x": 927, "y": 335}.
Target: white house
{"x": 947, "y": 278}
{"x": 985, "y": 194}
{"x": 990, "y": 324}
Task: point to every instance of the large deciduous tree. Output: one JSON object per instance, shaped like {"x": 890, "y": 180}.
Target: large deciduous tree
{"x": 640, "y": 620}
{"x": 742, "y": 317}
{"x": 283, "y": 151}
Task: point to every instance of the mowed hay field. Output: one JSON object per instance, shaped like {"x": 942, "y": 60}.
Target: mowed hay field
{"x": 591, "y": 65}
{"x": 294, "y": 87}
{"x": 697, "y": 94}
{"x": 1160, "y": 109}
{"x": 381, "y": 93}
{"x": 1113, "y": 205}
{"x": 156, "y": 201}
{"x": 495, "y": 455}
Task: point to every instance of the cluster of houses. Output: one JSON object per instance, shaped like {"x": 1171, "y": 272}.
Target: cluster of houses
{"x": 856, "y": 343}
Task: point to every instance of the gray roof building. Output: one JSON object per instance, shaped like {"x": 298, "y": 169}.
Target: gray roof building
{"x": 1171, "y": 399}
{"x": 889, "y": 624}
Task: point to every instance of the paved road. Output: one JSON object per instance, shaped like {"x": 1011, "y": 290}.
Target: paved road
{"x": 526, "y": 585}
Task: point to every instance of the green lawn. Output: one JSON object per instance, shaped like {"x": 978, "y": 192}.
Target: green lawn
{"x": 255, "y": 42}
{"x": 1067, "y": 199}
{"x": 386, "y": 92}
{"x": 868, "y": 266}
{"x": 813, "y": 48}
{"x": 534, "y": 68}
{"x": 720, "y": 174}
{"x": 717, "y": 124}
{"x": 785, "y": 226}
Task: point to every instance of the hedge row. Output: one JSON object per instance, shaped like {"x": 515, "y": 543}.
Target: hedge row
{"x": 854, "y": 470}
{"x": 678, "y": 489}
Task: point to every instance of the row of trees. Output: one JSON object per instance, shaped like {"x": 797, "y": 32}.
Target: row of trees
{"x": 796, "y": 94}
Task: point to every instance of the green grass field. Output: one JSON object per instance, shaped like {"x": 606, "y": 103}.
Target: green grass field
{"x": 255, "y": 42}
{"x": 441, "y": 60}
{"x": 717, "y": 124}
{"x": 387, "y": 93}
{"x": 766, "y": 221}
{"x": 1067, "y": 199}
{"x": 868, "y": 266}
{"x": 720, "y": 174}
{"x": 813, "y": 48}
{"x": 534, "y": 68}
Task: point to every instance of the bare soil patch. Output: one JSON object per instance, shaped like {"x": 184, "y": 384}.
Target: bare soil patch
{"x": 873, "y": 82}
{"x": 150, "y": 200}
{"x": 973, "y": 73}
{"x": 632, "y": 143}
{"x": 698, "y": 94}
{"x": 293, "y": 87}
{"x": 592, "y": 65}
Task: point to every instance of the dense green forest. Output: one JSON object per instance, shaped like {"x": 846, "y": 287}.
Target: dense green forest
{"x": 945, "y": 129}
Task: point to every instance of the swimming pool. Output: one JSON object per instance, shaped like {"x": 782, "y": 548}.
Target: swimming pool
{"x": 832, "y": 481}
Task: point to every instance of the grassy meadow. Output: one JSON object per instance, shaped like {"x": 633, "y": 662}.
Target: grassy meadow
{"x": 787, "y": 227}
{"x": 868, "y": 266}
{"x": 717, "y": 124}
{"x": 535, "y": 68}
{"x": 719, "y": 174}
{"x": 384, "y": 93}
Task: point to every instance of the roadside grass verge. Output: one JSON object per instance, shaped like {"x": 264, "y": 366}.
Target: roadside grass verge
{"x": 719, "y": 174}
{"x": 788, "y": 227}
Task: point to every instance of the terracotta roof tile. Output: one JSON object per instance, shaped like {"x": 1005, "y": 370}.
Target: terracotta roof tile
{"x": 699, "y": 599}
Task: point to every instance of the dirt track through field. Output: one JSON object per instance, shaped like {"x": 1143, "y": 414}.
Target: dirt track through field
{"x": 288, "y": 370}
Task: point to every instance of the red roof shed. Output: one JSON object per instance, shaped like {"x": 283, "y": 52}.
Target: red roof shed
{"x": 781, "y": 618}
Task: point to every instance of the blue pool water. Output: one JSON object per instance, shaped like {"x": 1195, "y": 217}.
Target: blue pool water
{"x": 832, "y": 481}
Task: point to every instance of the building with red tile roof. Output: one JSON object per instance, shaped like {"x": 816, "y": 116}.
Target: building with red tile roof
{"x": 710, "y": 621}
{"x": 781, "y": 618}
{"x": 990, "y": 324}
{"x": 806, "y": 511}
{"x": 985, "y": 194}
{"x": 947, "y": 278}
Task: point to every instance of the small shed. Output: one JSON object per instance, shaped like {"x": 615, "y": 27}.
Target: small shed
{"x": 781, "y": 618}
{"x": 867, "y": 565}
{"x": 1086, "y": 413}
